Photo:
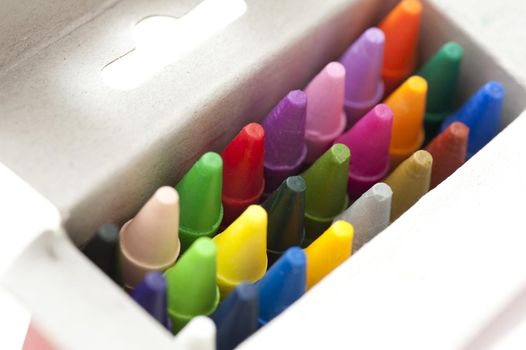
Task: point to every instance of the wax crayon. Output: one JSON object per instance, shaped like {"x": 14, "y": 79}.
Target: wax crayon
{"x": 285, "y": 148}
{"x": 150, "y": 241}
{"x": 364, "y": 87}
{"x": 34, "y": 340}
{"x": 200, "y": 195}
{"x": 401, "y": 28}
{"x": 481, "y": 114}
{"x": 242, "y": 250}
{"x": 332, "y": 248}
{"x": 243, "y": 181}
{"x": 408, "y": 104}
{"x": 151, "y": 295}
{"x": 102, "y": 250}
{"x": 409, "y": 182}
{"x": 326, "y": 194}
{"x": 286, "y": 210}
{"x": 192, "y": 288}
{"x": 441, "y": 73}
{"x": 369, "y": 215}
{"x": 449, "y": 152}
{"x": 326, "y": 118}
{"x": 282, "y": 285}
{"x": 198, "y": 334}
{"x": 237, "y": 317}
{"x": 368, "y": 141}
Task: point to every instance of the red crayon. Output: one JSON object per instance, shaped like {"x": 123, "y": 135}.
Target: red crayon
{"x": 243, "y": 180}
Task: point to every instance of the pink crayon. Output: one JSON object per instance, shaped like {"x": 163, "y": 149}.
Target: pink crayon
{"x": 364, "y": 86}
{"x": 368, "y": 141}
{"x": 325, "y": 116}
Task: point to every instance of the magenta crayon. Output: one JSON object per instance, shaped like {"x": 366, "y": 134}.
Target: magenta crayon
{"x": 368, "y": 141}
{"x": 364, "y": 86}
{"x": 285, "y": 148}
{"x": 326, "y": 119}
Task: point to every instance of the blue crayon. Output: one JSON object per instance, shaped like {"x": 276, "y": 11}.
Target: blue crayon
{"x": 481, "y": 114}
{"x": 237, "y": 317}
{"x": 151, "y": 295}
{"x": 282, "y": 285}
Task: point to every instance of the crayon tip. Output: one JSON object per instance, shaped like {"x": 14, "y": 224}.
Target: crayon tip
{"x": 408, "y": 106}
{"x": 283, "y": 284}
{"x": 243, "y": 181}
{"x": 326, "y": 119}
{"x": 481, "y": 114}
{"x": 200, "y": 193}
{"x": 285, "y": 148}
{"x": 237, "y": 317}
{"x": 157, "y": 223}
{"x": 326, "y": 194}
{"x": 198, "y": 334}
{"x": 286, "y": 210}
{"x": 364, "y": 87}
{"x": 409, "y": 182}
{"x": 368, "y": 141}
{"x": 151, "y": 295}
{"x": 102, "y": 250}
{"x": 192, "y": 288}
{"x": 242, "y": 250}
{"x": 332, "y": 248}
{"x": 370, "y": 214}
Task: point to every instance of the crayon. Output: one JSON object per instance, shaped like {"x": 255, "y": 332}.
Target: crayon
{"x": 364, "y": 87}
{"x": 285, "y": 148}
{"x": 286, "y": 210}
{"x": 441, "y": 73}
{"x": 401, "y": 28}
{"x": 150, "y": 241}
{"x": 282, "y": 285}
{"x": 481, "y": 114}
{"x": 449, "y": 150}
{"x": 370, "y": 214}
{"x": 243, "y": 181}
{"x": 332, "y": 248}
{"x": 368, "y": 141}
{"x": 409, "y": 182}
{"x": 326, "y": 118}
{"x": 198, "y": 334}
{"x": 326, "y": 194}
{"x": 242, "y": 250}
{"x": 192, "y": 288}
{"x": 102, "y": 250}
{"x": 408, "y": 104}
{"x": 34, "y": 340}
{"x": 200, "y": 196}
{"x": 237, "y": 317}
{"x": 151, "y": 295}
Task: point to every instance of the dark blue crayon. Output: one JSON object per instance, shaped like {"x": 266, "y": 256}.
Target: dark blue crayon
{"x": 151, "y": 295}
{"x": 237, "y": 317}
{"x": 282, "y": 285}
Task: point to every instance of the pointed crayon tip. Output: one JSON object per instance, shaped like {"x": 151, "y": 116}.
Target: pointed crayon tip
{"x": 369, "y": 141}
{"x": 200, "y": 193}
{"x": 409, "y": 182}
{"x": 326, "y": 194}
{"x": 286, "y": 210}
{"x": 332, "y": 248}
{"x": 370, "y": 214}
{"x": 408, "y": 104}
{"x": 364, "y": 87}
{"x": 102, "y": 250}
{"x": 242, "y": 250}
{"x": 158, "y": 224}
{"x": 285, "y": 148}
{"x": 401, "y": 28}
{"x": 237, "y": 317}
{"x": 283, "y": 284}
{"x": 326, "y": 119}
{"x": 151, "y": 295}
{"x": 243, "y": 181}
{"x": 192, "y": 288}
{"x": 481, "y": 114}
{"x": 198, "y": 334}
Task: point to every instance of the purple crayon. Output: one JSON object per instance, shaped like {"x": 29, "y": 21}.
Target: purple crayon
{"x": 285, "y": 148}
{"x": 368, "y": 141}
{"x": 364, "y": 87}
